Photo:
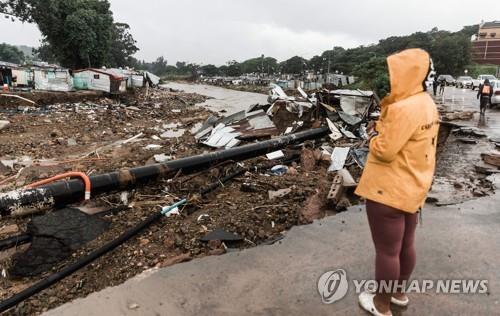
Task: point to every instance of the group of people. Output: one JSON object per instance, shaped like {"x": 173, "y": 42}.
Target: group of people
{"x": 441, "y": 84}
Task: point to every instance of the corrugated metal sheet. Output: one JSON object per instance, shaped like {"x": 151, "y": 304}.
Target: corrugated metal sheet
{"x": 53, "y": 80}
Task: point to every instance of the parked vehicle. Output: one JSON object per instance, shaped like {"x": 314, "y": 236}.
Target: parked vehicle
{"x": 480, "y": 80}
{"x": 450, "y": 81}
{"x": 495, "y": 99}
{"x": 464, "y": 82}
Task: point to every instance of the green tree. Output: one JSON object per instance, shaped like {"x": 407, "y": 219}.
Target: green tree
{"x": 294, "y": 65}
{"x": 78, "y": 33}
{"x": 233, "y": 69}
{"x": 11, "y": 54}
{"x": 259, "y": 65}
{"x": 210, "y": 70}
{"x": 123, "y": 46}
{"x": 373, "y": 75}
{"x": 160, "y": 66}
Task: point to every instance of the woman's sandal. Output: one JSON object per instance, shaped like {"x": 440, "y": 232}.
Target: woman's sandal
{"x": 400, "y": 303}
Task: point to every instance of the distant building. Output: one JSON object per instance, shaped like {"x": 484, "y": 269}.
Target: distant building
{"x": 6, "y": 73}
{"x": 486, "y": 45}
{"x": 100, "y": 80}
{"x": 51, "y": 78}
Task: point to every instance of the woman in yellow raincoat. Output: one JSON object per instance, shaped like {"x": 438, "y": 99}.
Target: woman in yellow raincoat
{"x": 398, "y": 175}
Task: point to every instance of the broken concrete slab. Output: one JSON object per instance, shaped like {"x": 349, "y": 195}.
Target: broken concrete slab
{"x": 491, "y": 159}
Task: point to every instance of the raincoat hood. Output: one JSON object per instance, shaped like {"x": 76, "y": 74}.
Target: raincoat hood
{"x": 408, "y": 71}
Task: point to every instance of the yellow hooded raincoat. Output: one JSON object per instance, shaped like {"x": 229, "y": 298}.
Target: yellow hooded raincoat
{"x": 401, "y": 162}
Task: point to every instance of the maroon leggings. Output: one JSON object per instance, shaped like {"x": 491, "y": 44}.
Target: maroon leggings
{"x": 393, "y": 233}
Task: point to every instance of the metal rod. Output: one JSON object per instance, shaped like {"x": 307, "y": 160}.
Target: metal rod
{"x": 61, "y": 193}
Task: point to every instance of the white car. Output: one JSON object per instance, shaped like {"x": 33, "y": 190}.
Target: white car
{"x": 464, "y": 82}
{"x": 495, "y": 99}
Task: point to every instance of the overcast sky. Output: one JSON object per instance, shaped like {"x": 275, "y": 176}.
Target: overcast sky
{"x": 215, "y": 31}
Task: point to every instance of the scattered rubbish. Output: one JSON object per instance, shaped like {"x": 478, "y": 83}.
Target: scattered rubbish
{"x": 336, "y": 134}
{"x": 229, "y": 131}
{"x": 275, "y": 155}
{"x": 132, "y": 139}
{"x": 4, "y": 124}
{"x": 339, "y": 157}
{"x": 17, "y": 97}
{"x": 161, "y": 158}
{"x": 124, "y": 197}
{"x": 168, "y": 212}
{"x": 222, "y": 235}
{"x": 279, "y": 170}
{"x": 360, "y": 155}
{"x": 347, "y": 179}
{"x": 279, "y": 193}
{"x": 203, "y": 217}
{"x": 153, "y": 147}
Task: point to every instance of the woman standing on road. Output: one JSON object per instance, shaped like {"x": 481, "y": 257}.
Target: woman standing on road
{"x": 398, "y": 175}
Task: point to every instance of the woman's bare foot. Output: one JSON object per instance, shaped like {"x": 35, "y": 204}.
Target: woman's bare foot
{"x": 383, "y": 303}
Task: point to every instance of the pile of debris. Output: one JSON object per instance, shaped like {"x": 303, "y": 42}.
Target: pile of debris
{"x": 345, "y": 112}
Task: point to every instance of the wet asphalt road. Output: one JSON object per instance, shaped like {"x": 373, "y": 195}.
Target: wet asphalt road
{"x": 466, "y": 100}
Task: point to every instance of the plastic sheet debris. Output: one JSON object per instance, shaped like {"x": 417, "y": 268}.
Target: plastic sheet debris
{"x": 161, "y": 158}
{"x": 339, "y": 157}
{"x": 55, "y": 236}
{"x": 360, "y": 155}
{"x": 275, "y": 155}
{"x": 222, "y": 235}
{"x": 230, "y": 131}
{"x": 336, "y": 134}
{"x": 279, "y": 170}
{"x": 152, "y": 147}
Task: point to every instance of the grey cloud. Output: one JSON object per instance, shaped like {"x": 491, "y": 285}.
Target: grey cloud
{"x": 215, "y": 31}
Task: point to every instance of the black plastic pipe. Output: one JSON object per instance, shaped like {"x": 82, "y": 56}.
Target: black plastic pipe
{"x": 81, "y": 263}
{"x": 14, "y": 241}
{"x": 66, "y": 192}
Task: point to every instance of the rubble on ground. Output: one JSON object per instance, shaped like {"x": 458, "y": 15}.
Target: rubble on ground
{"x": 306, "y": 182}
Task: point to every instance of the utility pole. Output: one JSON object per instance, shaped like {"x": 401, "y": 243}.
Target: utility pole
{"x": 262, "y": 65}
{"x": 328, "y": 73}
